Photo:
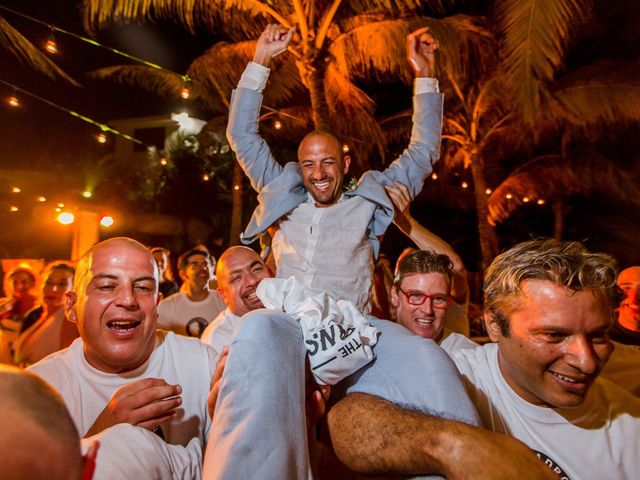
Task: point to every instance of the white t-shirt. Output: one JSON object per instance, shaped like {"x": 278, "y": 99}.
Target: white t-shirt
{"x": 453, "y": 341}
{"x": 128, "y": 452}
{"x": 598, "y": 439}
{"x": 220, "y": 332}
{"x": 185, "y": 317}
{"x": 178, "y": 360}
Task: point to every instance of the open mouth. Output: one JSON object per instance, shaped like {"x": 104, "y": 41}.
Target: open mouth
{"x": 425, "y": 321}
{"x": 322, "y": 186}
{"x": 251, "y": 298}
{"x": 575, "y": 385}
{"x": 123, "y": 326}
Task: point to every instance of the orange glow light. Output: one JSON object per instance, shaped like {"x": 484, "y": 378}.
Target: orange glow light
{"x": 51, "y": 46}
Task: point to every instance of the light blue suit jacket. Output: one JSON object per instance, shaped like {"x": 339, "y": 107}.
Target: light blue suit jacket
{"x": 280, "y": 189}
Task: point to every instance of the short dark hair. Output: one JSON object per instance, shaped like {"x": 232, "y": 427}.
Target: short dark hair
{"x": 423, "y": 261}
{"x": 183, "y": 260}
{"x": 568, "y": 264}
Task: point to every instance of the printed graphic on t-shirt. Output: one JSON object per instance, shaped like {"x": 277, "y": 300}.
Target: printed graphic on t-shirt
{"x": 549, "y": 462}
{"x": 196, "y": 326}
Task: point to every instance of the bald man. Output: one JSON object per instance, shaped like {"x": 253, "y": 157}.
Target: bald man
{"x": 239, "y": 271}
{"x": 36, "y": 425}
{"x": 121, "y": 369}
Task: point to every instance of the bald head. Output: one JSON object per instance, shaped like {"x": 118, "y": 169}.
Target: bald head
{"x": 239, "y": 271}
{"x": 38, "y": 439}
{"x": 83, "y": 270}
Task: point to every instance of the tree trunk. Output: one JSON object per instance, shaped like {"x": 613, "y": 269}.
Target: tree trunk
{"x": 486, "y": 232}
{"x": 236, "y": 204}
{"x": 558, "y": 219}
{"x": 313, "y": 69}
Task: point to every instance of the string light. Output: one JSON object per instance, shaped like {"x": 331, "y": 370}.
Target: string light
{"x": 101, "y": 137}
{"x": 51, "y": 46}
{"x": 508, "y": 196}
{"x": 525, "y": 199}
{"x": 87, "y": 194}
{"x": 16, "y": 190}
{"x": 13, "y": 208}
{"x": 13, "y": 101}
{"x": 58, "y": 209}
{"x": 185, "y": 92}
{"x": 163, "y": 162}
{"x": 488, "y": 191}
{"x": 106, "y": 221}
{"x": 540, "y": 201}
{"x": 434, "y": 176}
{"x": 42, "y": 199}
{"x": 278, "y": 125}
{"x": 61, "y": 205}
{"x": 236, "y": 187}
{"x": 465, "y": 185}
{"x": 205, "y": 177}
{"x": 101, "y": 126}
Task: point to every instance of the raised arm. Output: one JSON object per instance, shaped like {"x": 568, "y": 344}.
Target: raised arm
{"x": 414, "y": 164}
{"x": 251, "y": 150}
{"x": 374, "y": 437}
{"x": 427, "y": 240}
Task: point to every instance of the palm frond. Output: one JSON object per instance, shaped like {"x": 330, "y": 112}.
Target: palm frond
{"x": 16, "y": 44}
{"x": 220, "y": 67}
{"x": 235, "y": 18}
{"x": 162, "y": 82}
{"x": 604, "y": 93}
{"x": 378, "y": 49}
{"x": 535, "y": 36}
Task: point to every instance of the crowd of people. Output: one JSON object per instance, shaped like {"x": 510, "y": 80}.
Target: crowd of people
{"x": 246, "y": 372}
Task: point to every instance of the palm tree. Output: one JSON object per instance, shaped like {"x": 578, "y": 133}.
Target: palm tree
{"x": 525, "y": 100}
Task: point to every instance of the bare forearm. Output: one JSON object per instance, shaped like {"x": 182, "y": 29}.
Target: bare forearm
{"x": 375, "y": 437}
{"x": 372, "y": 436}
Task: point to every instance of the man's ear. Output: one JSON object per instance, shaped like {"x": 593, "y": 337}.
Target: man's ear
{"x": 395, "y": 301}
{"x": 492, "y": 326}
{"x": 89, "y": 460}
{"x": 183, "y": 275}
{"x": 70, "y": 299}
{"x": 346, "y": 160}
{"x": 220, "y": 293}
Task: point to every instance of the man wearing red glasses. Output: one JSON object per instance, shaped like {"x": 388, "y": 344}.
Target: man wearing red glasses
{"x": 421, "y": 295}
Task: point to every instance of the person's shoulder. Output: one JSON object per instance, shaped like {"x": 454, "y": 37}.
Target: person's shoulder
{"x": 172, "y": 300}
{"x": 58, "y": 363}
{"x": 456, "y": 341}
{"x": 180, "y": 345}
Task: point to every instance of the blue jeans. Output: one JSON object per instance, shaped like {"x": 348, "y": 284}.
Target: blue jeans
{"x": 259, "y": 428}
